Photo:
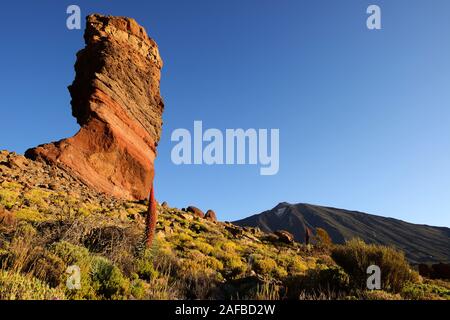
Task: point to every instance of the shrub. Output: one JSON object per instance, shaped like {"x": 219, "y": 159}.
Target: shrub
{"x": 198, "y": 280}
{"x": 31, "y": 215}
{"x": 292, "y": 263}
{"x": 71, "y": 254}
{"x": 425, "y": 291}
{"x": 14, "y": 286}
{"x": 37, "y": 198}
{"x": 319, "y": 283}
{"x": 323, "y": 238}
{"x": 8, "y": 198}
{"x": 145, "y": 268}
{"x": 356, "y": 256}
{"x": 233, "y": 265}
{"x": 79, "y": 256}
{"x": 203, "y": 247}
{"x": 267, "y": 291}
{"x": 435, "y": 271}
{"x": 20, "y": 248}
{"x": 379, "y": 295}
{"x": 138, "y": 289}
{"x": 108, "y": 280}
{"x": 45, "y": 266}
{"x": 267, "y": 266}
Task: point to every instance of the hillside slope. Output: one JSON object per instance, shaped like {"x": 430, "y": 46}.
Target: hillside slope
{"x": 51, "y": 223}
{"x": 421, "y": 243}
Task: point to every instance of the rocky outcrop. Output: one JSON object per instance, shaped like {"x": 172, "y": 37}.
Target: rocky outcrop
{"x": 195, "y": 211}
{"x": 211, "y": 216}
{"x": 284, "y": 236}
{"x": 116, "y": 101}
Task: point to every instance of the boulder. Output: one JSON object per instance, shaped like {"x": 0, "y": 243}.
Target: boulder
{"x": 211, "y": 216}
{"x": 116, "y": 101}
{"x": 187, "y": 216}
{"x": 235, "y": 231}
{"x": 17, "y": 161}
{"x": 284, "y": 236}
{"x": 195, "y": 211}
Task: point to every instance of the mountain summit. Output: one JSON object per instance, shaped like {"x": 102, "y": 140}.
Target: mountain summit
{"x": 421, "y": 243}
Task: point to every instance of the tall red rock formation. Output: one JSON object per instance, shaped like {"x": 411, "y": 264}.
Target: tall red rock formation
{"x": 116, "y": 101}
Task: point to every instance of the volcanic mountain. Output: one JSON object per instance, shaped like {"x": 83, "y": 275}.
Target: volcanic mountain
{"x": 421, "y": 243}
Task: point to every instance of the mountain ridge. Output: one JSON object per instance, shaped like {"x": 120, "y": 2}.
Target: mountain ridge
{"x": 421, "y": 243}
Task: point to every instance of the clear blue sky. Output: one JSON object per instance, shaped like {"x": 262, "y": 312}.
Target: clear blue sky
{"x": 364, "y": 116}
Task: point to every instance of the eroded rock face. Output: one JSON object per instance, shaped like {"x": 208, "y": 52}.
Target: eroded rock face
{"x": 195, "y": 211}
{"x": 211, "y": 215}
{"x": 116, "y": 101}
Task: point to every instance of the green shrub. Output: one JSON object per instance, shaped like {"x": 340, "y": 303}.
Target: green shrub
{"x": 14, "y": 286}
{"x": 37, "y": 198}
{"x": 108, "y": 280}
{"x": 8, "y": 198}
{"x": 356, "y": 256}
{"x": 425, "y": 291}
{"x": 31, "y": 215}
{"x": 333, "y": 278}
{"x": 319, "y": 283}
{"x": 75, "y": 255}
{"x": 267, "y": 266}
{"x": 203, "y": 247}
{"x": 292, "y": 263}
{"x": 71, "y": 254}
{"x": 145, "y": 267}
{"x": 233, "y": 266}
{"x": 45, "y": 266}
{"x": 138, "y": 289}
{"x": 379, "y": 295}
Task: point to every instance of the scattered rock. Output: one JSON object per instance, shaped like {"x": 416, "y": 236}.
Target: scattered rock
{"x": 252, "y": 238}
{"x": 164, "y": 205}
{"x": 271, "y": 237}
{"x": 285, "y": 236}
{"x": 195, "y": 211}
{"x": 17, "y": 161}
{"x": 168, "y": 230}
{"x": 123, "y": 215}
{"x": 116, "y": 100}
{"x": 234, "y": 230}
{"x": 187, "y": 216}
{"x": 53, "y": 186}
{"x": 211, "y": 216}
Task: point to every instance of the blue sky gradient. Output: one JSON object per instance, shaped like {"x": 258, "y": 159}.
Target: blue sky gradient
{"x": 364, "y": 116}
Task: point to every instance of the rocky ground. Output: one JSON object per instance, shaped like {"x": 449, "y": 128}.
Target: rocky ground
{"x": 50, "y": 221}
